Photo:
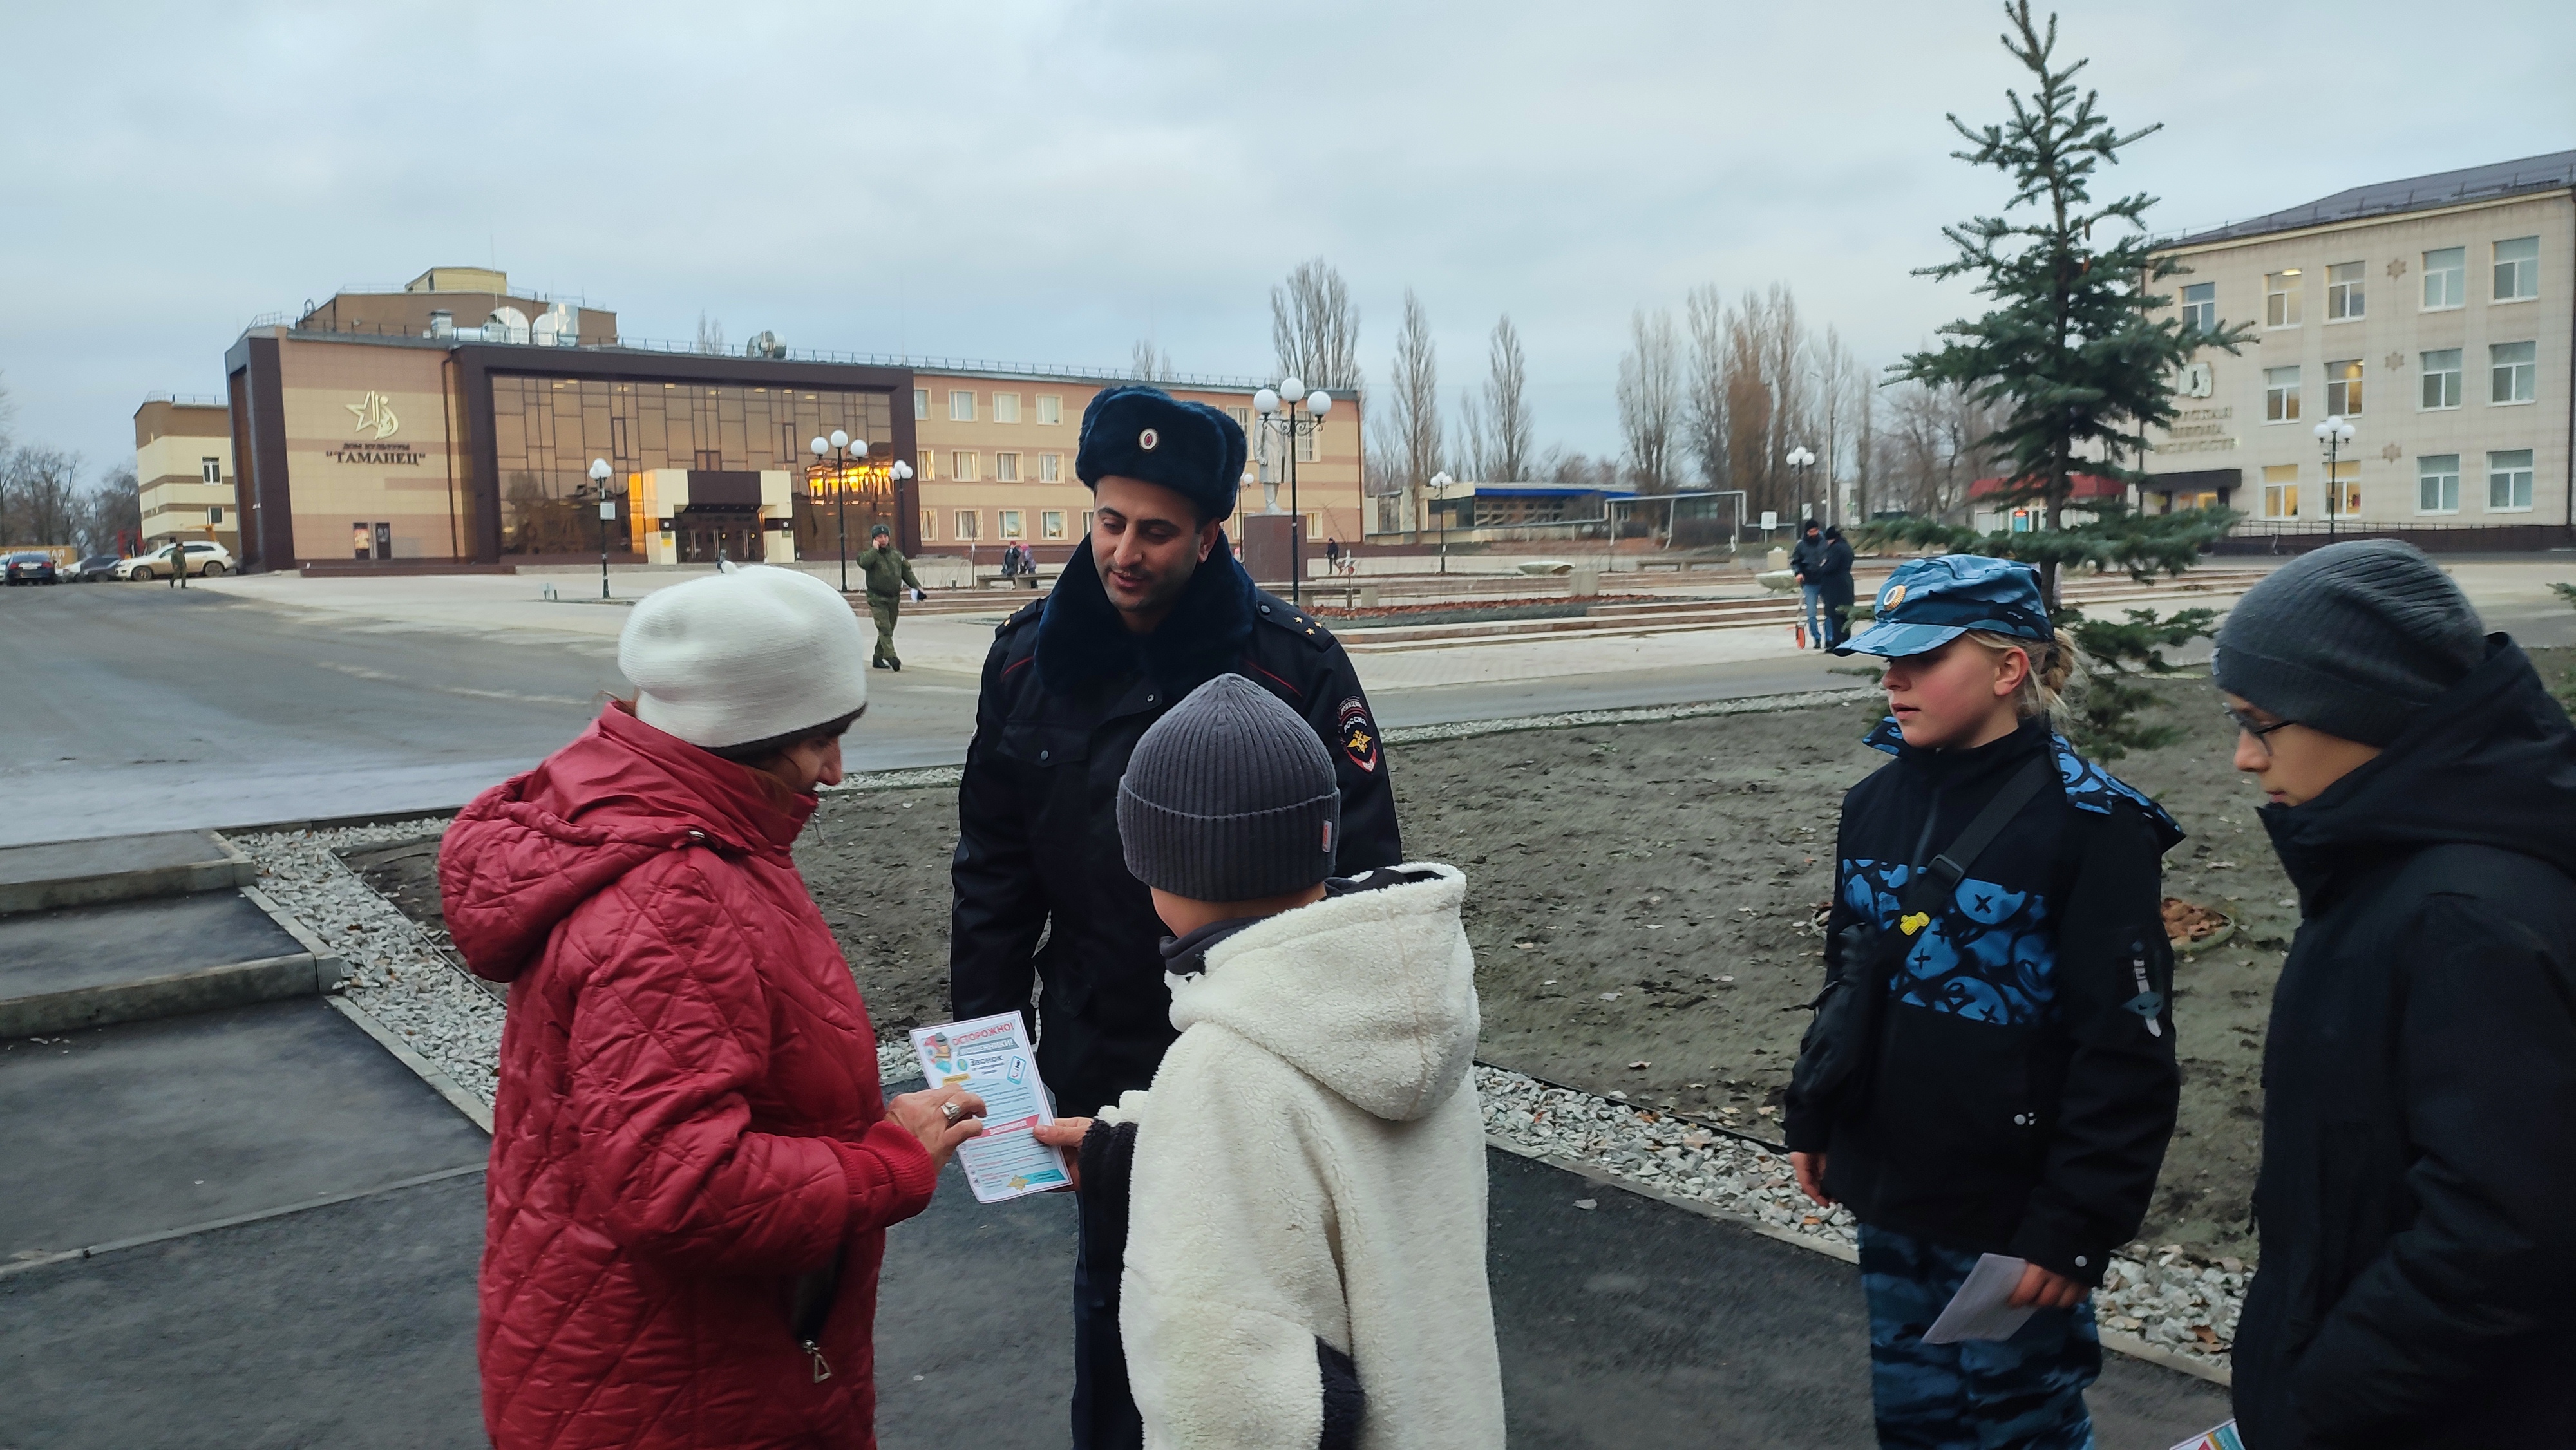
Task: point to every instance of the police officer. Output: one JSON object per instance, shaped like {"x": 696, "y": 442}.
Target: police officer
{"x": 1155, "y": 606}
{"x": 888, "y": 573}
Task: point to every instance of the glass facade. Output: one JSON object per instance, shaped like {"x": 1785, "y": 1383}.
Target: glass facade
{"x": 545, "y": 432}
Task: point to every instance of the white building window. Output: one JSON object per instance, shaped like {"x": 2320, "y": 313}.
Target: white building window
{"x": 215, "y": 516}
{"x": 1006, "y": 407}
{"x": 1242, "y": 417}
{"x": 1086, "y": 523}
{"x": 2513, "y": 372}
{"x": 2446, "y": 278}
{"x": 2437, "y": 484}
{"x": 2509, "y": 481}
{"x": 2517, "y": 269}
{"x": 1012, "y": 527}
{"x": 2343, "y": 292}
{"x": 2281, "y": 395}
{"x": 2281, "y": 491}
{"x": 2281, "y": 298}
{"x": 929, "y": 525}
{"x": 1051, "y": 523}
{"x": 921, "y": 403}
{"x": 2441, "y": 378}
{"x": 1050, "y": 468}
{"x": 969, "y": 526}
{"x": 961, "y": 406}
{"x": 1310, "y": 442}
{"x": 210, "y": 470}
{"x": 2343, "y": 388}
{"x": 1006, "y": 466}
{"x": 2347, "y": 483}
{"x": 961, "y": 467}
{"x": 1050, "y": 408}
{"x": 921, "y": 466}
{"x": 2200, "y": 307}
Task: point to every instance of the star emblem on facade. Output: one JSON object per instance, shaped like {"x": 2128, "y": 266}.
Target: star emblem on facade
{"x": 2396, "y": 362}
{"x": 2397, "y": 268}
{"x": 375, "y": 415}
{"x": 2392, "y": 453}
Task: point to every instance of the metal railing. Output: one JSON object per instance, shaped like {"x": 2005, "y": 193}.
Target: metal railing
{"x": 186, "y": 400}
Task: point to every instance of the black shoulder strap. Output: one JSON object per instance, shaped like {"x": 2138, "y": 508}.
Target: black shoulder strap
{"x": 1936, "y": 881}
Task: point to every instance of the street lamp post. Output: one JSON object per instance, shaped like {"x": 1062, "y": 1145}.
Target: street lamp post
{"x": 2333, "y": 433}
{"x": 1802, "y": 458}
{"x": 599, "y": 472}
{"x": 900, "y": 474}
{"x": 1439, "y": 493}
{"x": 1278, "y": 410}
{"x": 842, "y": 448}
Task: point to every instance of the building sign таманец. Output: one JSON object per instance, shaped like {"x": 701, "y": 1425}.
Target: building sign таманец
{"x": 375, "y": 415}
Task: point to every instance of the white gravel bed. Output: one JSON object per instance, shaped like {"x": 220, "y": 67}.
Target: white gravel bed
{"x": 395, "y": 973}
{"x": 2163, "y": 1298}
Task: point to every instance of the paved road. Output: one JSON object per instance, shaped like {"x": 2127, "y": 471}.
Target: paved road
{"x": 138, "y": 707}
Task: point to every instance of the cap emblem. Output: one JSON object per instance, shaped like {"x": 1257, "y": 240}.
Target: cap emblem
{"x": 1148, "y": 439}
{"x": 1894, "y": 596}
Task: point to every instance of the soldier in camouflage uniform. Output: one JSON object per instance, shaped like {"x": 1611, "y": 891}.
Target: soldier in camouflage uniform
{"x": 888, "y": 573}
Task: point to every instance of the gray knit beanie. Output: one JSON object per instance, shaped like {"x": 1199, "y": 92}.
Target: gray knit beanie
{"x": 2351, "y": 639}
{"x": 1229, "y": 797}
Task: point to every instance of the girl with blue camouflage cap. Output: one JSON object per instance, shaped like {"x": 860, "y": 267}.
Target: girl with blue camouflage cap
{"x": 1991, "y": 1069}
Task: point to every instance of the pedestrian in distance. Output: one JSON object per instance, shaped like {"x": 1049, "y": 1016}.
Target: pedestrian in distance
{"x": 2417, "y": 1197}
{"x": 1327, "y": 1027}
{"x": 1332, "y": 555}
{"x": 1833, "y": 576}
{"x": 888, "y": 575}
{"x": 692, "y": 1167}
{"x": 1991, "y": 1068}
{"x": 1805, "y": 559}
{"x": 1153, "y": 606}
{"x": 178, "y": 562}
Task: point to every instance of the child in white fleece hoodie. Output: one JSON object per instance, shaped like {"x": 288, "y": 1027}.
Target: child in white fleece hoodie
{"x": 1303, "y": 1218}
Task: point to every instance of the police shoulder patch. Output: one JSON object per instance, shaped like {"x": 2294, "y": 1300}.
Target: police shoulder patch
{"x": 1027, "y": 614}
{"x": 1271, "y": 609}
{"x": 1356, "y": 733}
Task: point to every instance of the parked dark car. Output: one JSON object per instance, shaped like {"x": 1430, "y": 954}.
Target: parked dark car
{"x": 32, "y": 569}
{"x": 93, "y": 568}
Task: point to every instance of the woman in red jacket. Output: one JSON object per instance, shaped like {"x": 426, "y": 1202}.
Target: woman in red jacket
{"x": 692, "y": 1166}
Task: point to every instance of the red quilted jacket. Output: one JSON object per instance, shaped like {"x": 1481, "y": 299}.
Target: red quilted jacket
{"x": 689, "y": 1125}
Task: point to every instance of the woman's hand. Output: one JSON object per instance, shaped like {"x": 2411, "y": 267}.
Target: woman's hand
{"x": 1810, "y": 1168}
{"x": 925, "y": 1116}
{"x": 1067, "y": 1134}
{"x": 2039, "y": 1288}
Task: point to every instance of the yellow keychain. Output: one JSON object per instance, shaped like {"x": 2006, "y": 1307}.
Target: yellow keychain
{"x": 1912, "y": 922}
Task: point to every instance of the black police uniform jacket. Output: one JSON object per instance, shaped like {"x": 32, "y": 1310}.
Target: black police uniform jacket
{"x": 2023, "y": 1085}
{"x": 1067, "y": 693}
{"x": 2417, "y": 1199}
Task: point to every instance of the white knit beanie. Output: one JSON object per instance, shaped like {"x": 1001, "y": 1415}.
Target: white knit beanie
{"x": 744, "y": 656}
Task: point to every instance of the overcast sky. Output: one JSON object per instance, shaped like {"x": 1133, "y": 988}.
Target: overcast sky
{"x": 1046, "y": 183}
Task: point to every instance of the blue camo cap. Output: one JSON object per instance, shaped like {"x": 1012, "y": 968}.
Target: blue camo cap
{"x": 1929, "y": 602}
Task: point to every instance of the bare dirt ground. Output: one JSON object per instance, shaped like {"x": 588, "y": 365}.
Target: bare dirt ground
{"x": 1643, "y": 902}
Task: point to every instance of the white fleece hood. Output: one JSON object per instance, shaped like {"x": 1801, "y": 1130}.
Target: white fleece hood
{"x": 1372, "y": 994}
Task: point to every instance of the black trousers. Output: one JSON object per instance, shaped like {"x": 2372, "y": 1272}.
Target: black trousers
{"x": 1104, "y": 1412}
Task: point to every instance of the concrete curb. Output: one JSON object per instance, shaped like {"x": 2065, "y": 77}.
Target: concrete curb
{"x": 446, "y": 1087}
{"x": 2128, "y": 1344}
{"x": 234, "y": 984}
{"x": 99, "y": 888}
{"x": 92, "y": 1251}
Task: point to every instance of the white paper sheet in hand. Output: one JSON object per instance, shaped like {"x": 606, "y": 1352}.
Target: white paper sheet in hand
{"x": 991, "y": 1058}
{"x": 1978, "y": 1310}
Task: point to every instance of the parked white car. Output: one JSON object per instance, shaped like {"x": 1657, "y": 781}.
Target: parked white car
{"x": 203, "y": 559}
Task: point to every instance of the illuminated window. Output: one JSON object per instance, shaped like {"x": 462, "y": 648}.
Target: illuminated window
{"x": 2343, "y": 491}
{"x": 2446, "y": 280}
{"x": 961, "y": 406}
{"x": 2441, "y": 378}
{"x": 2200, "y": 307}
{"x": 2517, "y": 269}
{"x": 921, "y": 469}
{"x": 2281, "y": 298}
{"x": 2509, "y": 481}
{"x": 2281, "y": 395}
{"x": 929, "y": 524}
{"x": 2437, "y": 484}
{"x": 1012, "y": 527}
{"x": 2281, "y": 491}
{"x": 2343, "y": 388}
{"x": 1051, "y": 523}
{"x": 961, "y": 467}
{"x": 1050, "y": 468}
{"x": 1050, "y": 408}
{"x": 2513, "y": 372}
{"x": 1006, "y": 466}
{"x": 2343, "y": 292}
{"x": 921, "y": 402}
{"x": 1006, "y": 407}
{"x": 969, "y": 526}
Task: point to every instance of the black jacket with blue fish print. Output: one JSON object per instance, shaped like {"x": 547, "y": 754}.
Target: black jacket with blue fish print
{"x": 2024, "y": 1083}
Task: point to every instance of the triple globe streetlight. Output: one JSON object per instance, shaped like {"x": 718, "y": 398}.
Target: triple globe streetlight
{"x": 2333, "y": 434}
{"x": 1278, "y": 409}
{"x": 840, "y": 447}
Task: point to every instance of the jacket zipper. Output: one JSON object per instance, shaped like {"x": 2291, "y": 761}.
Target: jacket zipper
{"x": 822, "y": 1371}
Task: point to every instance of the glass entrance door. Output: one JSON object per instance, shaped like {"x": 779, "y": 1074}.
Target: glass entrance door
{"x": 705, "y": 535}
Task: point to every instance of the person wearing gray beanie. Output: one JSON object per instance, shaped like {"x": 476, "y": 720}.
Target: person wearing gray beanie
{"x": 2352, "y": 639}
{"x": 1229, "y": 798}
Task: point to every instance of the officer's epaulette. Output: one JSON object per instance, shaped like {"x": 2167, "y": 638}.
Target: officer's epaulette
{"x": 1027, "y": 614}
{"x": 1271, "y": 609}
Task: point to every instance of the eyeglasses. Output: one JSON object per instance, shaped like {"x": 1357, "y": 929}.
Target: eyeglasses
{"x": 2254, "y": 727}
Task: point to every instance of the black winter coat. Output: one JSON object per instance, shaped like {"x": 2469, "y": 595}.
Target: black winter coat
{"x": 1067, "y": 693}
{"x": 1806, "y": 555}
{"x": 2417, "y": 1200}
{"x": 1832, "y": 574}
{"x": 2024, "y": 1083}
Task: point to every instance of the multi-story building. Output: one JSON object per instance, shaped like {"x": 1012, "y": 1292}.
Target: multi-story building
{"x": 994, "y": 458}
{"x": 183, "y": 463}
{"x": 446, "y": 424}
{"x": 2435, "y": 315}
